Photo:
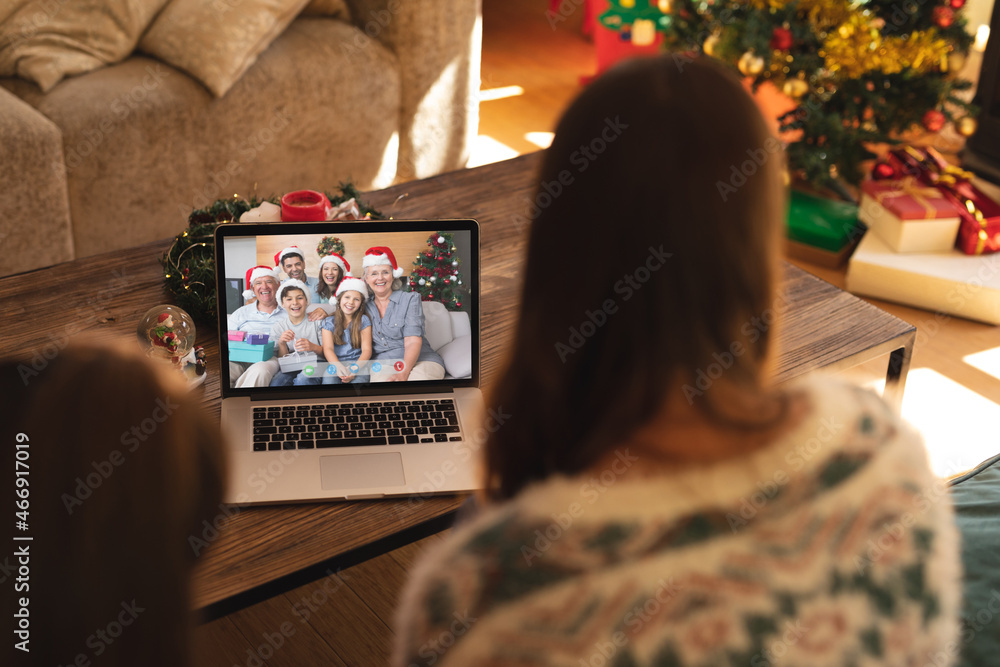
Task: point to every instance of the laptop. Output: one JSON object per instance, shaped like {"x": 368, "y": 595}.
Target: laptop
{"x": 320, "y": 441}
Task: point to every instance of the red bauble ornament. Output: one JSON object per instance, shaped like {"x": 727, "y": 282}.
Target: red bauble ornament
{"x": 781, "y": 39}
{"x": 957, "y": 4}
{"x": 458, "y": 303}
{"x": 882, "y": 171}
{"x": 933, "y": 120}
{"x": 943, "y": 16}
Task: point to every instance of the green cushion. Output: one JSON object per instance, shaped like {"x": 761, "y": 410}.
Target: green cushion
{"x": 976, "y": 496}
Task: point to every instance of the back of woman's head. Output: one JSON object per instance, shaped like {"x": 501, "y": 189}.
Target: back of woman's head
{"x": 653, "y": 249}
{"x": 124, "y": 467}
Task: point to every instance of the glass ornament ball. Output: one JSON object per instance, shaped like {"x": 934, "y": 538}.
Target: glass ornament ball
{"x": 166, "y": 332}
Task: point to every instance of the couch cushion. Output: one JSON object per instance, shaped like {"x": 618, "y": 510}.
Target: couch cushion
{"x": 44, "y": 41}
{"x": 437, "y": 324}
{"x": 457, "y": 357}
{"x": 215, "y": 42}
{"x": 145, "y": 144}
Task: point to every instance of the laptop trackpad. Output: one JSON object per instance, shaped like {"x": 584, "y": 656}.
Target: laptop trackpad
{"x": 360, "y": 471}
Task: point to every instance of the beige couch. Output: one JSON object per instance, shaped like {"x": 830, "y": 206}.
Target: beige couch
{"x": 120, "y": 155}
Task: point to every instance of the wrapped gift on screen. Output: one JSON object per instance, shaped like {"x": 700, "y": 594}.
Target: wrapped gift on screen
{"x": 248, "y": 353}
{"x": 257, "y": 338}
{"x": 296, "y": 361}
{"x": 238, "y": 336}
{"x": 821, "y": 230}
{"x": 909, "y": 215}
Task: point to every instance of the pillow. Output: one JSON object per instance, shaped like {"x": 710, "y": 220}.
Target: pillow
{"x": 437, "y": 324}
{"x": 331, "y": 8}
{"x": 457, "y": 356}
{"x": 44, "y": 41}
{"x": 216, "y": 42}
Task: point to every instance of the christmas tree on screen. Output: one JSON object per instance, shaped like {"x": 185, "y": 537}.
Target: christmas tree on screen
{"x": 857, "y": 73}
{"x": 436, "y": 272}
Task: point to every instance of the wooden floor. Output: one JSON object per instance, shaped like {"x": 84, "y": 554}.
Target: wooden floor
{"x": 953, "y": 393}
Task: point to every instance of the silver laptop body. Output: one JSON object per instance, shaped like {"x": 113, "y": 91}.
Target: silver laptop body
{"x": 301, "y": 443}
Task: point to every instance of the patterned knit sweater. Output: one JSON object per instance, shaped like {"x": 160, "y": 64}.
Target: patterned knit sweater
{"x": 832, "y": 546}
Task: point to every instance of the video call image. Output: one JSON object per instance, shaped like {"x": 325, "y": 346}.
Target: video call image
{"x": 318, "y": 309}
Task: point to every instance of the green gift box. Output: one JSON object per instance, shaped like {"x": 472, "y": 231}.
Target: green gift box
{"x": 822, "y": 223}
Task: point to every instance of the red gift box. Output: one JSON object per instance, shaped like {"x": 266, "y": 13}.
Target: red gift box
{"x": 979, "y": 229}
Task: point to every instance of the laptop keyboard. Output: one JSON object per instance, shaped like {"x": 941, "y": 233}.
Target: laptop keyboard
{"x": 354, "y": 424}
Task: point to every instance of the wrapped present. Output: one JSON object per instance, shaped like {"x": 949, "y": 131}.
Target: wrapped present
{"x": 237, "y": 335}
{"x": 257, "y": 338}
{"x": 910, "y": 216}
{"x": 821, "y": 230}
{"x": 297, "y": 361}
{"x": 979, "y": 228}
{"x": 250, "y": 354}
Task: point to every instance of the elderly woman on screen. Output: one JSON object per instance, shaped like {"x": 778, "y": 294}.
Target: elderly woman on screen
{"x": 397, "y": 323}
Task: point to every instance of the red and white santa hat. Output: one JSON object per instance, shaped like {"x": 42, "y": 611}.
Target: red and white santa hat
{"x": 293, "y": 282}
{"x": 345, "y": 268}
{"x": 379, "y": 255}
{"x": 253, "y": 274}
{"x": 290, "y": 250}
{"x": 351, "y": 283}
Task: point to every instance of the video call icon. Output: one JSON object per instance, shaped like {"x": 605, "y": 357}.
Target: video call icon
{"x": 308, "y": 371}
{"x": 376, "y": 367}
{"x": 353, "y": 368}
{"x": 398, "y": 365}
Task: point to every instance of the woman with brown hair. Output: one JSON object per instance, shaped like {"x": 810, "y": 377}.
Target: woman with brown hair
{"x": 123, "y": 469}
{"x": 654, "y": 498}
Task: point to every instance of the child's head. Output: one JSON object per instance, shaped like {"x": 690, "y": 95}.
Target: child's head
{"x": 351, "y": 295}
{"x": 161, "y": 461}
{"x": 293, "y": 297}
{"x": 663, "y": 180}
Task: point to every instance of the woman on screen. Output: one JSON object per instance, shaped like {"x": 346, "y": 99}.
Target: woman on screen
{"x": 397, "y": 318}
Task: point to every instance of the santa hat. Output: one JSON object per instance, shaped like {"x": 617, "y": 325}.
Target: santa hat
{"x": 290, "y": 250}
{"x": 345, "y": 268}
{"x": 293, "y": 282}
{"x": 381, "y": 255}
{"x": 255, "y": 273}
{"x": 351, "y": 283}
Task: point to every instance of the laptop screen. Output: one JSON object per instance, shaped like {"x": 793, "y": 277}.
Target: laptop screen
{"x": 342, "y": 308}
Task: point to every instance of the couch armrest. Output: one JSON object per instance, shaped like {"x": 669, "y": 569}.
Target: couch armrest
{"x": 460, "y": 324}
{"x": 33, "y": 172}
{"x": 438, "y": 44}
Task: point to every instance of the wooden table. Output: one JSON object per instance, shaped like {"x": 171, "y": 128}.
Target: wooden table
{"x": 257, "y": 552}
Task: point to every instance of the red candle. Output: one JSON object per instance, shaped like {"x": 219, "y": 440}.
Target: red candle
{"x": 304, "y": 206}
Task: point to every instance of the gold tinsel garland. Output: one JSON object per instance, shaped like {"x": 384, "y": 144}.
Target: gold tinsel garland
{"x": 854, "y": 45}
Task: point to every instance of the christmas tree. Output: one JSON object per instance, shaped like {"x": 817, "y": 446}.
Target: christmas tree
{"x": 436, "y": 274}
{"x": 858, "y": 73}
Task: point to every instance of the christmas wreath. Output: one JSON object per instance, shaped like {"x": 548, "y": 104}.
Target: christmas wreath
{"x": 189, "y": 264}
